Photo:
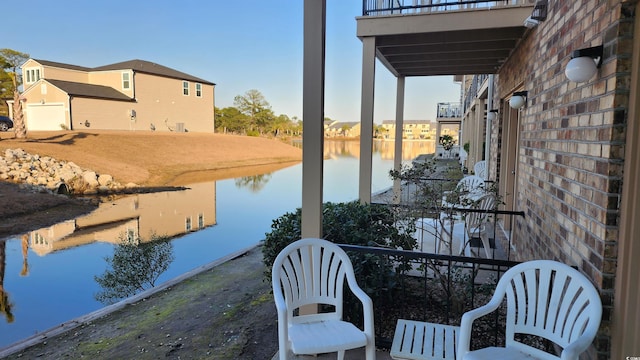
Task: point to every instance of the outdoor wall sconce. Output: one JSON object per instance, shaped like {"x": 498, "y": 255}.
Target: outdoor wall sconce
{"x": 518, "y": 99}
{"x": 540, "y": 10}
{"x": 584, "y": 64}
{"x": 87, "y": 123}
{"x": 492, "y": 114}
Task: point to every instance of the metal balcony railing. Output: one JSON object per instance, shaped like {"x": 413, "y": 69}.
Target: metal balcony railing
{"x": 472, "y": 93}
{"x": 397, "y": 7}
{"x": 432, "y": 288}
{"x": 449, "y": 110}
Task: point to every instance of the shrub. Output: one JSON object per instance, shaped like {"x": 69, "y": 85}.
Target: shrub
{"x": 350, "y": 223}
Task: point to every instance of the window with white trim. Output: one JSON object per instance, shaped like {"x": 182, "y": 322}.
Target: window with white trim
{"x": 126, "y": 81}
{"x": 31, "y": 75}
{"x": 185, "y": 88}
{"x": 187, "y": 224}
{"x": 198, "y": 90}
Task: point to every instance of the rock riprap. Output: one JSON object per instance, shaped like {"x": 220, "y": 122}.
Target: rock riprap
{"x": 45, "y": 172}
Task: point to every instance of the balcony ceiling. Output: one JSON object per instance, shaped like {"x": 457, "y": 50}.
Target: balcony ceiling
{"x": 448, "y": 43}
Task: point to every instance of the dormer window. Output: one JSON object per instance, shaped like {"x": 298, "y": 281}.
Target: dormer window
{"x": 31, "y": 75}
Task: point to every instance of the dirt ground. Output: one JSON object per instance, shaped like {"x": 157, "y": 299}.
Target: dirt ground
{"x": 223, "y": 313}
{"x": 226, "y": 312}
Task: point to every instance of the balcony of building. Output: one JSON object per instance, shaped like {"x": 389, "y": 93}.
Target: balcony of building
{"x": 433, "y": 37}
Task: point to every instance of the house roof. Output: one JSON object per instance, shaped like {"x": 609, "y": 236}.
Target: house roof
{"x": 141, "y": 66}
{"x": 151, "y": 68}
{"x": 62, "y": 65}
{"x": 339, "y": 125}
{"x": 89, "y": 90}
{"x": 405, "y": 122}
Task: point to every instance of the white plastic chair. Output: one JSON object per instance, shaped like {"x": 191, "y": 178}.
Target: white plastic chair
{"x": 312, "y": 272}
{"x": 473, "y": 224}
{"x": 480, "y": 169}
{"x": 545, "y": 298}
{"x": 468, "y": 188}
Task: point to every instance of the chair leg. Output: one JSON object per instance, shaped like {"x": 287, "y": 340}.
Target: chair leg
{"x": 370, "y": 352}
{"x": 445, "y": 238}
{"x": 486, "y": 245}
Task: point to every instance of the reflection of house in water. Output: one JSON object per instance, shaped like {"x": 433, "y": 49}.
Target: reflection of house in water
{"x": 410, "y": 149}
{"x": 340, "y": 148}
{"x": 169, "y": 213}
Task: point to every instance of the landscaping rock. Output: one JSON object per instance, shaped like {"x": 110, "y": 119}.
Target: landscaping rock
{"x": 44, "y": 172}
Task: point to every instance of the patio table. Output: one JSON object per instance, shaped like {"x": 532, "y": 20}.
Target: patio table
{"x": 418, "y": 340}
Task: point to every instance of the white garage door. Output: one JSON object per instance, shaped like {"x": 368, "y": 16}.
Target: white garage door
{"x": 45, "y": 117}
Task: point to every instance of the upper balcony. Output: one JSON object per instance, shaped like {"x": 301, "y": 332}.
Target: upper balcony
{"x": 444, "y": 37}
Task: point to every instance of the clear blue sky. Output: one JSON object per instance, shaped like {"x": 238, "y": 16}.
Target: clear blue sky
{"x": 237, "y": 44}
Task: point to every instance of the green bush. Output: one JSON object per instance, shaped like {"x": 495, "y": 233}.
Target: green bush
{"x": 350, "y": 223}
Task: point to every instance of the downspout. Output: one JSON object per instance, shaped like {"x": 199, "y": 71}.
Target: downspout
{"x": 487, "y": 141}
{"x": 69, "y": 98}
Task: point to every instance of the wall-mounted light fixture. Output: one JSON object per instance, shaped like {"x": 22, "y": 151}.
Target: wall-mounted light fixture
{"x": 87, "y": 123}
{"x": 492, "y": 114}
{"x": 584, "y": 64}
{"x": 540, "y": 10}
{"x": 518, "y": 99}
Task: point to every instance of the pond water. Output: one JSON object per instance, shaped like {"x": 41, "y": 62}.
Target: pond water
{"x": 47, "y": 276}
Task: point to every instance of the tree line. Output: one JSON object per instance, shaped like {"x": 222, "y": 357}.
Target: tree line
{"x": 252, "y": 115}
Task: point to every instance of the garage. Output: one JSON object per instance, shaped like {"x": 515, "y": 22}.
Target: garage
{"x": 45, "y": 117}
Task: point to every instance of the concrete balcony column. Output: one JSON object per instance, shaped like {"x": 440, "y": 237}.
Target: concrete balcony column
{"x": 313, "y": 115}
{"x": 397, "y": 154}
{"x": 366, "y": 121}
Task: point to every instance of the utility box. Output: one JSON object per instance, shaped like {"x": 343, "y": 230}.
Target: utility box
{"x": 179, "y": 127}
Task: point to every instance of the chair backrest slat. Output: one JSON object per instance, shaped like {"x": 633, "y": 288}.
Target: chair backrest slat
{"x": 312, "y": 274}
{"x": 550, "y": 300}
{"x": 480, "y": 169}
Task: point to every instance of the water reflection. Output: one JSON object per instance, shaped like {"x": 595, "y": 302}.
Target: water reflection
{"x": 135, "y": 266}
{"x": 5, "y": 303}
{"x": 242, "y": 208}
{"x": 410, "y": 149}
{"x": 169, "y": 213}
{"x": 254, "y": 183}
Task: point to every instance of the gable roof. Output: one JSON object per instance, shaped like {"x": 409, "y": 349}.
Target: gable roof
{"x": 151, "y": 68}
{"x": 339, "y": 125}
{"x": 62, "y": 65}
{"x": 141, "y": 66}
{"x": 89, "y": 90}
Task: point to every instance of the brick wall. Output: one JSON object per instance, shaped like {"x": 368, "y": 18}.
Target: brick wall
{"x": 572, "y": 141}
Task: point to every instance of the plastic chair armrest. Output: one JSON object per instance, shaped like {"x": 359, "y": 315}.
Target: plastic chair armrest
{"x": 467, "y": 322}
{"x": 573, "y": 350}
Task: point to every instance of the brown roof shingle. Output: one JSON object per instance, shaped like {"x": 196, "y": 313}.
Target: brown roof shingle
{"x": 142, "y": 66}
{"x": 89, "y": 90}
{"x": 152, "y": 68}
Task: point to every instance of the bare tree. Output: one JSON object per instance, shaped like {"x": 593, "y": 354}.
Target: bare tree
{"x": 12, "y": 60}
